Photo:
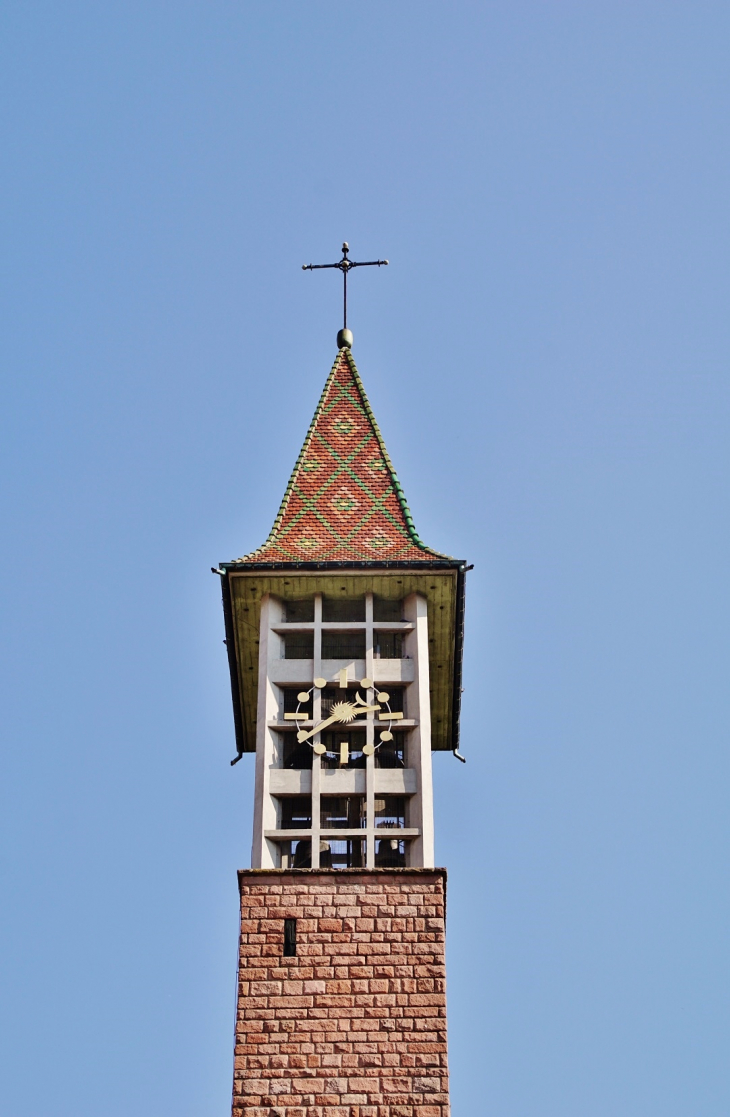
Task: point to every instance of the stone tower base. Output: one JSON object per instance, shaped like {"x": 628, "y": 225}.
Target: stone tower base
{"x": 354, "y": 1025}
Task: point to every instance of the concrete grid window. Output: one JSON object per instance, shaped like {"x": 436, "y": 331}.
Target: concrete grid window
{"x": 298, "y": 645}
{"x": 301, "y": 611}
{"x": 296, "y": 814}
{"x": 356, "y": 776}
{"x": 336, "y": 609}
{"x": 345, "y": 812}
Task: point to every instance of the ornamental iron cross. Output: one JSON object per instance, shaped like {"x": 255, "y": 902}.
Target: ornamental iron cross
{"x": 344, "y": 266}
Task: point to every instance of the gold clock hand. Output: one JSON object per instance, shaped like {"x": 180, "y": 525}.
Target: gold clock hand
{"x": 301, "y": 737}
{"x": 345, "y": 714}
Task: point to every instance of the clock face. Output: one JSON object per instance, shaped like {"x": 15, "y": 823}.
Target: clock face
{"x": 343, "y": 713}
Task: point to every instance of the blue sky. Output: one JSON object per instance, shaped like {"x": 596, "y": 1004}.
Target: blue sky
{"x": 547, "y": 359}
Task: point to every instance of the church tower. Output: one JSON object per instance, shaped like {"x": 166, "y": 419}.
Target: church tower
{"x": 344, "y": 634}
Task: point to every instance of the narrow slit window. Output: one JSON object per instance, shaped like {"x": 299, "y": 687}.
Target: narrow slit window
{"x": 290, "y": 938}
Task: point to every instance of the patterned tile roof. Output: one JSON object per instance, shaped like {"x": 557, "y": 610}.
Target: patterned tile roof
{"x": 343, "y": 501}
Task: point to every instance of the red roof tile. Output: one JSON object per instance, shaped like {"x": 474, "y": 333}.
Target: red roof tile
{"x": 343, "y": 501}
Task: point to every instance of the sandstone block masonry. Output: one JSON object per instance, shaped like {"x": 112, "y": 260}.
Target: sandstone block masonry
{"x": 354, "y": 1025}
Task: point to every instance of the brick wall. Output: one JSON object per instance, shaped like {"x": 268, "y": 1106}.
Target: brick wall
{"x": 355, "y": 1024}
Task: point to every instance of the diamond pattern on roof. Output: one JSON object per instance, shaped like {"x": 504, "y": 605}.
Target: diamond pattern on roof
{"x": 343, "y": 501}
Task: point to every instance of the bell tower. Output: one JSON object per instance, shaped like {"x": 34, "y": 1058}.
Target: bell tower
{"x": 344, "y": 635}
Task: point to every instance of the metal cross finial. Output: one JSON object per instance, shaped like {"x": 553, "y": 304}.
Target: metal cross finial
{"x": 344, "y": 266}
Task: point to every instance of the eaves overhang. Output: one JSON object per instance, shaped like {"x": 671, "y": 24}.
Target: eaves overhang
{"x": 446, "y": 622}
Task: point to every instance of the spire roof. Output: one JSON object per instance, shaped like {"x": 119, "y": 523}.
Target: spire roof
{"x": 343, "y": 501}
